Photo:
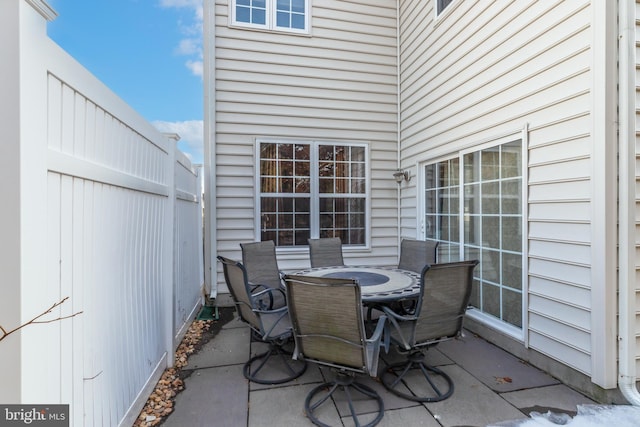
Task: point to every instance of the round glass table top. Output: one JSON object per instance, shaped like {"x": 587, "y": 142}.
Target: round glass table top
{"x": 376, "y": 283}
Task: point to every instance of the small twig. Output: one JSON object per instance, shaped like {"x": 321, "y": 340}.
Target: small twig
{"x": 35, "y": 320}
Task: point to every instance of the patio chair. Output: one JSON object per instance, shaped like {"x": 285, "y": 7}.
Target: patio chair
{"x": 259, "y": 259}
{"x": 328, "y": 329}
{"x": 325, "y": 252}
{"x": 438, "y": 317}
{"x": 271, "y": 326}
{"x": 415, "y": 254}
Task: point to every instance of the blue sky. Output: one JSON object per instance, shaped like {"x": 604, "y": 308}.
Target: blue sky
{"x": 149, "y": 52}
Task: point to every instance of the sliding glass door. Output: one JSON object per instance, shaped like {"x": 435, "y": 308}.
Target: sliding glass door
{"x": 473, "y": 207}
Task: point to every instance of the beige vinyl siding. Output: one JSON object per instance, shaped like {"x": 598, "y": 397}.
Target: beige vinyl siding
{"x": 337, "y": 84}
{"x": 488, "y": 69}
{"x": 637, "y": 201}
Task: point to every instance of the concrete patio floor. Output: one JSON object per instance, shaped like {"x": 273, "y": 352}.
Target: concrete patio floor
{"x": 491, "y": 386}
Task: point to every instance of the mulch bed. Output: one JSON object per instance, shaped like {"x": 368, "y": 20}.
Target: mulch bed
{"x": 161, "y": 401}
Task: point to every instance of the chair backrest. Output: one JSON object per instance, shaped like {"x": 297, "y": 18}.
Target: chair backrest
{"x": 325, "y": 252}
{"x": 327, "y": 320}
{"x": 259, "y": 259}
{"x": 252, "y": 306}
{"x": 236, "y": 277}
{"x": 443, "y": 300}
{"x": 415, "y": 254}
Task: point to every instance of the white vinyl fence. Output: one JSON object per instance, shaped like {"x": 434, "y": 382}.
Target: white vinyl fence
{"x": 100, "y": 208}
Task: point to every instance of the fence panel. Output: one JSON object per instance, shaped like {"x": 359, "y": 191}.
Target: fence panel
{"x": 122, "y": 204}
{"x": 188, "y": 250}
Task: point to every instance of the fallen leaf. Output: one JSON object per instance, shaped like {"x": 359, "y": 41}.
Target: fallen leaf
{"x": 503, "y": 380}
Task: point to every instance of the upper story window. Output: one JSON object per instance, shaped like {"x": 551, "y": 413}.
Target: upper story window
{"x": 277, "y": 15}
{"x": 441, "y": 5}
{"x": 310, "y": 189}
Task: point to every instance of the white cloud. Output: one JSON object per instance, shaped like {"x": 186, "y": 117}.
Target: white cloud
{"x": 196, "y": 67}
{"x": 191, "y": 134}
{"x": 188, "y": 47}
{"x": 190, "y": 131}
{"x": 181, "y": 3}
{"x": 191, "y": 44}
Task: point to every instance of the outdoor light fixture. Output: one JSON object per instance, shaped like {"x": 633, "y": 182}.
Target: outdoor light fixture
{"x": 400, "y": 175}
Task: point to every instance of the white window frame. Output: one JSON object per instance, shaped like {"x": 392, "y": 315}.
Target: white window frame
{"x": 314, "y": 194}
{"x": 270, "y": 24}
{"x": 440, "y": 155}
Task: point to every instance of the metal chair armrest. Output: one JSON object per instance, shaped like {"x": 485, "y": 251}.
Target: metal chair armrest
{"x": 259, "y": 294}
{"x": 271, "y": 322}
{"x": 373, "y": 345}
{"x": 393, "y": 319}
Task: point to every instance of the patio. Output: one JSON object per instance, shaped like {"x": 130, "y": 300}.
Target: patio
{"x": 492, "y": 386}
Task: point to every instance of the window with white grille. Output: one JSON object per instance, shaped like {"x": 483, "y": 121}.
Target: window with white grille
{"x": 312, "y": 189}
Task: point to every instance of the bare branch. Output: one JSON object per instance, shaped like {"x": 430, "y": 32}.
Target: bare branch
{"x": 35, "y": 320}
{"x": 54, "y": 320}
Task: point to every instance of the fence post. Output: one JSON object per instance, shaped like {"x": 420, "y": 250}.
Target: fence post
{"x": 10, "y": 363}
{"x": 23, "y": 175}
{"x": 169, "y": 245}
{"x": 199, "y": 189}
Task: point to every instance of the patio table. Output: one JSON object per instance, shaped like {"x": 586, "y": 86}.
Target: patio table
{"x": 377, "y": 284}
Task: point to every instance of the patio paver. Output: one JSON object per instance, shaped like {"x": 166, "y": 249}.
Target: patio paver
{"x": 415, "y": 416}
{"x": 284, "y": 406}
{"x": 493, "y": 366}
{"x": 207, "y": 400}
{"x": 230, "y": 346}
{"x": 217, "y": 394}
{"x": 472, "y": 403}
{"x": 556, "y": 398}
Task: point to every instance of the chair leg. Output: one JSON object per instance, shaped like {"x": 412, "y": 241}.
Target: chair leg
{"x": 347, "y": 385}
{"x": 438, "y": 381}
{"x": 276, "y": 358}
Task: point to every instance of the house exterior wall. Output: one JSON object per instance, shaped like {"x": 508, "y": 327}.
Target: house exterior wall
{"x": 538, "y": 71}
{"x": 481, "y": 73}
{"x": 336, "y": 84}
